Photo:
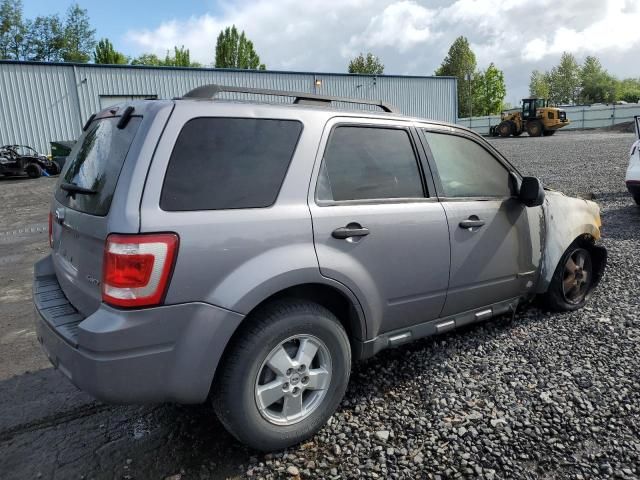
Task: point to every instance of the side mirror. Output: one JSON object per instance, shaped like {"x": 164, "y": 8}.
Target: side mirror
{"x": 531, "y": 192}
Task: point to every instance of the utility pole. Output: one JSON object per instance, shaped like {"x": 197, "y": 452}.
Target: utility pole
{"x": 470, "y": 100}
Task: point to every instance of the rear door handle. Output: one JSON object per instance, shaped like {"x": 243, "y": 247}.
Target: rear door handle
{"x": 351, "y": 230}
{"x": 471, "y": 222}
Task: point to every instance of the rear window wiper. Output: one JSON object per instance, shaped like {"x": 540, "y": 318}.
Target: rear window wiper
{"x": 72, "y": 189}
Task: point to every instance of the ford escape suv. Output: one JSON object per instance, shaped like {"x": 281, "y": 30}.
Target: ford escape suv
{"x": 248, "y": 252}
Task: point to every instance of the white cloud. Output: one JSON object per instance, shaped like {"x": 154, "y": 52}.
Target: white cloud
{"x": 401, "y": 25}
{"x": 413, "y": 36}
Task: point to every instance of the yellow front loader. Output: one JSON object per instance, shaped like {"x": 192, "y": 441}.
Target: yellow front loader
{"x": 537, "y": 118}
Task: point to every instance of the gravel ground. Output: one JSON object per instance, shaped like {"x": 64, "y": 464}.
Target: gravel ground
{"x": 537, "y": 396}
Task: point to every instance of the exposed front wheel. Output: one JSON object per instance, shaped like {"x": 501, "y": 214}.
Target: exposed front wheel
{"x": 572, "y": 281}
{"x": 284, "y": 375}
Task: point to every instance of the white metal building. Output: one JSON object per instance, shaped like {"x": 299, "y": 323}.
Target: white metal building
{"x": 43, "y": 102}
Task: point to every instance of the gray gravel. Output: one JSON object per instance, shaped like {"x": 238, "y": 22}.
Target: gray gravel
{"x": 537, "y": 396}
{"x": 540, "y": 396}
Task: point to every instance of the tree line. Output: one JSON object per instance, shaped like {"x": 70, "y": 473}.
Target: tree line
{"x": 50, "y": 38}
{"x": 572, "y": 83}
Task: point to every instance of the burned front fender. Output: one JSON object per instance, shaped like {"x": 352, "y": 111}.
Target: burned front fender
{"x": 568, "y": 219}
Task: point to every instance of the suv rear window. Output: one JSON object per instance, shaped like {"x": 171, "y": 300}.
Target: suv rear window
{"x": 226, "y": 163}
{"x": 95, "y": 163}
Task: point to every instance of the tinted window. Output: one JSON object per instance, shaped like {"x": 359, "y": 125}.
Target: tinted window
{"x": 95, "y": 163}
{"x": 466, "y": 169}
{"x": 222, "y": 163}
{"x": 369, "y": 163}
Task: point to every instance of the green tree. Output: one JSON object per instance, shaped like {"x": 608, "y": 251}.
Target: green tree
{"x": 147, "y": 59}
{"x": 369, "y": 64}
{"x": 460, "y": 62}
{"x": 79, "y": 39}
{"x": 564, "y": 80}
{"x": 489, "y": 91}
{"x": 597, "y": 85}
{"x": 628, "y": 90}
{"x": 181, "y": 58}
{"x": 106, "y": 54}
{"x": 12, "y": 29}
{"x": 539, "y": 84}
{"x": 235, "y": 50}
{"x": 46, "y": 38}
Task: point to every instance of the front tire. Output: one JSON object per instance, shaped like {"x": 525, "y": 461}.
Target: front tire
{"x": 505, "y": 129}
{"x": 33, "y": 170}
{"x": 284, "y": 375}
{"x": 572, "y": 281}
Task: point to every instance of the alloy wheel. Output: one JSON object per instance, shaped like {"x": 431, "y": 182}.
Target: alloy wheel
{"x": 293, "y": 380}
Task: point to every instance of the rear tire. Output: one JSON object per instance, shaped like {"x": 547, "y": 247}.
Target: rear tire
{"x": 270, "y": 350}
{"x": 33, "y": 170}
{"x": 572, "y": 281}
{"x": 505, "y": 129}
{"x": 534, "y": 128}
{"x": 53, "y": 169}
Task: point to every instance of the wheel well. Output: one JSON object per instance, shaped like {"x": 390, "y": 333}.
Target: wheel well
{"x": 330, "y": 298}
{"x": 598, "y": 255}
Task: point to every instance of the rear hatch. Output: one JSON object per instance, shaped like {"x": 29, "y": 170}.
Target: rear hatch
{"x": 82, "y": 204}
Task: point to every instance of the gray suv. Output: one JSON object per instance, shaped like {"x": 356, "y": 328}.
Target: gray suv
{"x": 248, "y": 252}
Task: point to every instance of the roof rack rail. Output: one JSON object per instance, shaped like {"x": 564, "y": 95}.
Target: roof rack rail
{"x": 210, "y": 91}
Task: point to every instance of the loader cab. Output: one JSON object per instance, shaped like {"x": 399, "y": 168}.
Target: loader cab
{"x": 530, "y": 106}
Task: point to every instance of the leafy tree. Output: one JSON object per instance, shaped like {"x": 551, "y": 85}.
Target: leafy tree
{"x": 12, "y": 29}
{"x": 628, "y": 90}
{"x": 460, "y": 62}
{"x": 234, "y": 50}
{"x": 539, "y": 84}
{"x": 181, "y": 58}
{"x": 370, "y": 65}
{"x": 489, "y": 91}
{"x": 596, "y": 84}
{"x": 79, "y": 38}
{"x": 46, "y": 38}
{"x": 106, "y": 54}
{"x": 564, "y": 80}
{"x": 147, "y": 59}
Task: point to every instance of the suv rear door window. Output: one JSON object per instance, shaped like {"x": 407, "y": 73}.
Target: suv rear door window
{"x": 466, "y": 169}
{"x": 95, "y": 163}
{"x": 368, "y": 163}
{"x": 226, "y": 163}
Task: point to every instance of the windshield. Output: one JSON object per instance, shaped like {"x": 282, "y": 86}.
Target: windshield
{"x": 95, "y": 163}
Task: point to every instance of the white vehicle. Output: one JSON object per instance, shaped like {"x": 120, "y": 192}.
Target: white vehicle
{"x": 633, "y": 171}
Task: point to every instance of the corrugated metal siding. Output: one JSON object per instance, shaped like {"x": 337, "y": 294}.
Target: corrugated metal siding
{"x": 37, "y": 105}
{"x": 44, "y": 102}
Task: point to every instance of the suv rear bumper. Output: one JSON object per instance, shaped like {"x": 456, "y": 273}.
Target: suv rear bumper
{"x": 166, "y": 353}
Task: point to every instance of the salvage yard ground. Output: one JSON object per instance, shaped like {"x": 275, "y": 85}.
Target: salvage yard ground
{"x": 539, "y": 396}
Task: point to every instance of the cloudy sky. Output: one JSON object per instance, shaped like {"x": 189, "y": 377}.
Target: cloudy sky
{"x": 410, "y": 36}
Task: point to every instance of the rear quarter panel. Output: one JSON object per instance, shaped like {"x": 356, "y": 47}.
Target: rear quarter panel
{"x": 236, "y": 258}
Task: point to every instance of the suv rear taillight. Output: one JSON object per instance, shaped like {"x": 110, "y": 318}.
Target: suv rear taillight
{"x": 50, "y": 229}
{"x": 137, "y": 268}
